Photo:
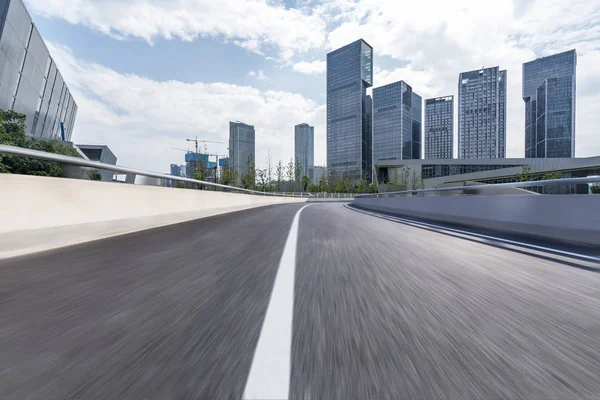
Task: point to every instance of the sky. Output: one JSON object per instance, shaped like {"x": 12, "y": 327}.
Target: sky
{"x": 149, "y": 74}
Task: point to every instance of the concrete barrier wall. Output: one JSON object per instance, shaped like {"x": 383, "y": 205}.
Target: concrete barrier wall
{"x": 572, "y": 218}
{"x": 31, "y": 202}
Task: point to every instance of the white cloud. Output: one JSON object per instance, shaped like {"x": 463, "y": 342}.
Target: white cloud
{"x": 142, "y": 120}
{"x": 253, "y": 24}
{"x": 260, "y": 75}
{"x": 427, "y": 44}
{"x": 310, "y": 68}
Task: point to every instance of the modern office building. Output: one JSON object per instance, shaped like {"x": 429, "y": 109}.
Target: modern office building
{"x": 175, "y": 170}
{"x": 102, "y": 154}
{"x": 439, "y": 127}
{"x": 482, "y": 113}
{"x": 349, "y": 74}
{"x": 241, "y": 146}
{"x": 304, "y": 149}
{"x": 549, "y": 95}
{"x": 30, "y": 82}
{"x": 397, "y": 122}
{"x": 319, "y": 172}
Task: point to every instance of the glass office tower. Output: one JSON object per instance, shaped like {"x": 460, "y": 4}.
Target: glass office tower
{"x": 304, "y": 149}
{"x": 549, "y": 96}
{"x": 396, "y": 122}
{"x": 482, "y": 113}
{"x": 349, "y": 74}
{"x": 439, "y": 127}
{"x": 30, "y": 82}
{"x": 241, "y": 146}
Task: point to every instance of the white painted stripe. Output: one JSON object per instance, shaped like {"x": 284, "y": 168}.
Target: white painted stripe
{"x": 514, "y": 242}
{"x": 269, "y": 376}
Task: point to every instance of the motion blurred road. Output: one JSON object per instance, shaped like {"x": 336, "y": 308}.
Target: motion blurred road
{"x": 380, "y": 310}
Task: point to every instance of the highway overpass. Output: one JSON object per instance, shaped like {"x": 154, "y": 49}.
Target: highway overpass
{"x": 296, "y": 300}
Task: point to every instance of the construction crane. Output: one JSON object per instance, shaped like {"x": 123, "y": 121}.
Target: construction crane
{"x": 196, "y": 141}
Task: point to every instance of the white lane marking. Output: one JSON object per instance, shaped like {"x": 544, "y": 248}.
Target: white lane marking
{"x": 514, "y": 242}
{"x": 269, "y": 376}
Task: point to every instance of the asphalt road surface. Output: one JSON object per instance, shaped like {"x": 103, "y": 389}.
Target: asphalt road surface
{"x": 380, "y": 310}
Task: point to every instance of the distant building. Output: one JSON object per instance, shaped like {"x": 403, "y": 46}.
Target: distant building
{"x": 199, "y": 163}
{"x": 102, "y": 154}
{"x": 30, "y": 83}
{"x": 549, "y": 93}
{"x": 175, "y": 170}
{"x": 241, "y": 146}
{"x": 319, "y": 172}
{"x": 439, "y": 127}
{"x": 482, "y": 113}
{"x": 304, "y": 149}
{"x": 397, "y": 122}
{"x": 349, "y": 74}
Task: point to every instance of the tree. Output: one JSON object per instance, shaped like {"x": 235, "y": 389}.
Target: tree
{"x": 249, "y": 177}
{"x": 279, "y": 172}
{"x": 404, "y": 175}
{"x": 361, "y": 186}
{"x": 313, "y": 188}
{"x": 94, "y": 175}
{"x": 415, "y": 181}
{"x": 298, "y": 170}
{"x": 595, "y": 189}
{"x": 290, "y": 173}
{"x": 305, "y": 181}
{"x": 229, "y": 176}
{"x": 269, "y": 171}
{"x": 12, "y": 133}
{"x": 261, "y": 174}
{"x": 372, "y": 188}
{"x": 525, "y": 174}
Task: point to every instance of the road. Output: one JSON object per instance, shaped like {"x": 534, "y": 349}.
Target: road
{"x": 379, "y": 310}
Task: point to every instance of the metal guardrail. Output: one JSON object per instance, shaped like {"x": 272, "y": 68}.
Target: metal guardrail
{"x": 80, "y": 162}
{"x": 490, "y": 187}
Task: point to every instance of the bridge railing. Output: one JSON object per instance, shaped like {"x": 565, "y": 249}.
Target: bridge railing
{"x": 80, "y": 162}
{"x": 489, "y": 189}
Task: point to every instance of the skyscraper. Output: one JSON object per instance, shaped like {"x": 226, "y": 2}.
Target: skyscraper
{"x": 349, "y": 74}
{"x": 396, "y": 122}
{"x": 439, "y": 127}
{"x": 241, "y": 146}
{"x": 304, "y": 149}
{"x": 482, "y": 113}
{"x": 549, "y": 95}
{"x": 30, "y": 83}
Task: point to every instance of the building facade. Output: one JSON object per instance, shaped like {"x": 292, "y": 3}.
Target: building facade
{"x": 30, "y": 82}
{"x": 549, "y": 93}
{"x": 241, "y": 147}
{"x": 397, "y": 123}
{"x": 319, "y": 172}
{"x": 304, "y": 149}
{"x": 439, "y": 127}
{"x": 102, "y": 154}
{"x": 349, "y": 74}
{"x": 482, "y": 113}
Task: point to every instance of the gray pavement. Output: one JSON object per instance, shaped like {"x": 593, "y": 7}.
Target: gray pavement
{"x": 381, "y": 310}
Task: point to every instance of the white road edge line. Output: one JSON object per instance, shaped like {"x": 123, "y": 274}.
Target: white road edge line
{"x": 269, "y": 376}
{"x": 507, "y": 241}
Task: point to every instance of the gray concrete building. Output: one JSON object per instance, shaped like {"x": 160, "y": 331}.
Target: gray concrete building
{"x": 241, "y": 146}
{"x": 549, "y": 93}
{"x": 397, "y": 123}
{"x": 30, "y": 82}
{"x": 439, "y": 127}
{"x": 304, "y": 149}
{"x": 456, "y": 172}
{"x": 102, "y": 154}
{"x": 482, "y": 113}
{"x": 349, "y": 74}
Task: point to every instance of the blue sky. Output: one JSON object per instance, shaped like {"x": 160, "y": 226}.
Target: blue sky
{"x": 146, "y": 74}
